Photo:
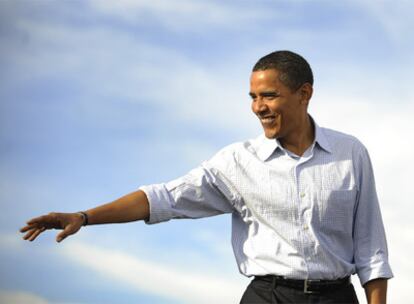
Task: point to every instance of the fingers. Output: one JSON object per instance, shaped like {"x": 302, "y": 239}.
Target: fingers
{"x": 37, "y": 220}
{"x": 36, "y": 234}
{"x": 33, "y": 233}
{"x": 29, "y": 234}
{"x": 30, "y": 229}
{"x": 34, "y": 227}
{"x": 67, "y": 221}
{"x": 27, "y": 227}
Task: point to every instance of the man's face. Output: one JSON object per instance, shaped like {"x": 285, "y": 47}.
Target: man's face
{"x": 278, "y": 108}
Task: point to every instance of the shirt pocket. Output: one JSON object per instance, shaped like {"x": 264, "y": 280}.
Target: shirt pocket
{"x": 336, "y": 210}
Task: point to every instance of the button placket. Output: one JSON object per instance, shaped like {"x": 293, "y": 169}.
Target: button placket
{"x": 301, "y": 194}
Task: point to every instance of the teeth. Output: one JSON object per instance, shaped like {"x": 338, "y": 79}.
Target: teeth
{"x": 267, "y": 120}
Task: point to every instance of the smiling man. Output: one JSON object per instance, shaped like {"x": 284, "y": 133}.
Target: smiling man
{"x": 303, "y": 201}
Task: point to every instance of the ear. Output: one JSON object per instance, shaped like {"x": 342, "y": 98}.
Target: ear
{"x": 305, "y": 91}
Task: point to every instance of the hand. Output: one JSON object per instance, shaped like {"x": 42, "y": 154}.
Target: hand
{"x": 69, "y": 222}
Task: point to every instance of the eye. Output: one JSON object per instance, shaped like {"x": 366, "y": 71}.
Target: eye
{"x": 270, "y": 95}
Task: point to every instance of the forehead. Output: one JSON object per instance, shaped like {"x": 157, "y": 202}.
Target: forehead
{"x": 265, "y": 79}
{"x": 265, "y": 73}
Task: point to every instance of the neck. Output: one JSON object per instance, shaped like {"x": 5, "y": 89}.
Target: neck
{"x": 298, "y": 142}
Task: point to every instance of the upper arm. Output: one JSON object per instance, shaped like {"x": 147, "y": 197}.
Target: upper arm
{"x": 199, "y": 193}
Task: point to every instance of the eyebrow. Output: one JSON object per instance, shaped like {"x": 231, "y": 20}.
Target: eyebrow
{"x": 270, "y": 93}
{"x": 265, "y": 94}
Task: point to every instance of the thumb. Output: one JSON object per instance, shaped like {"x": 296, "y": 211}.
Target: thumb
{"x": 65, "y": 233}
{"x": 70, "y": 229}
{"x": 61, "y": 236}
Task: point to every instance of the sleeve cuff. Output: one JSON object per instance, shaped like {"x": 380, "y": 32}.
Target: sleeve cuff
{"x": 159, "y": 203}
{"x": 384, "y": 272}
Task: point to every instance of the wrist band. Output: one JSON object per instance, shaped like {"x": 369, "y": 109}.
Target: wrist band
{"x": 85, "y": 218}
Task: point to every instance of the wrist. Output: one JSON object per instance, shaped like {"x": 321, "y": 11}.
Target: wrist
{"x": 84, "y": 217}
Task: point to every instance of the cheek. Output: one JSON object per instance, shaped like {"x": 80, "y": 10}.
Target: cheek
{"x": 276, "y": 107}
{"x": 253, "y": 107}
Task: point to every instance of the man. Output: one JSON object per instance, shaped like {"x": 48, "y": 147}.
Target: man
{"x": 303, "y": 200}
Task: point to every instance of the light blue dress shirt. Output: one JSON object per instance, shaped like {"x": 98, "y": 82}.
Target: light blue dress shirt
{"x": 314, "y": 216}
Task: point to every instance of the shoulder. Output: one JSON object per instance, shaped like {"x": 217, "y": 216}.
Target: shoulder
{"x": 340, "y": 141}
{"x": 237, "y": 148}
{"x": 236, "y": 152}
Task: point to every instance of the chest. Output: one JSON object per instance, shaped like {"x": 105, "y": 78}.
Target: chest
{"x": 287, "y": 189}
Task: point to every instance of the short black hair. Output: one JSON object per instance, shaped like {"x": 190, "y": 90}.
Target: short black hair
{"x": 293, "y": 69}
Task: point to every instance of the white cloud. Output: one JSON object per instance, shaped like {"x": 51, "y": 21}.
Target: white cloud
{"x": 25, "y": 297}
{"x": 154, "y": 278}
{"x": 183, "y": 15}
{"x": 180, "y": 282}
{"x": 219, "y": 244}
{"x": 395, "y": 18}
{"x": 21, "y": 297}
{"x": 109, "y": 66}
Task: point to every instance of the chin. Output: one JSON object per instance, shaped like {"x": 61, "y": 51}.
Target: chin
{"x": 271, "y": 134}
{"x": 272, "y": 131}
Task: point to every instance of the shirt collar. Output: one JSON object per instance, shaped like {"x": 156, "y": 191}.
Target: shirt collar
{"x": 320, "y": 138}
{"x": 267, "y": 146}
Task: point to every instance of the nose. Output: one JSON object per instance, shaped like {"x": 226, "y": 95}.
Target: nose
{"x": 260, "y": 107}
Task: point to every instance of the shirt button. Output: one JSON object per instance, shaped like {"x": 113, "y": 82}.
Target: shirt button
{"x": 305, "y": 227}
{"x": 302, "y": 195}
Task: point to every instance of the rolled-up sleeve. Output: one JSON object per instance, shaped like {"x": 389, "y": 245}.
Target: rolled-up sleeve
{"x": 200, "y": 193}
{"x": 370, "y": 245}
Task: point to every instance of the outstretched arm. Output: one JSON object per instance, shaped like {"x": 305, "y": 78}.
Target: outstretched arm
{"x": 131, "y": 207}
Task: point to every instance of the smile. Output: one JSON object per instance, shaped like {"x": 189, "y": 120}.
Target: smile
{"x": 268, "y": 120}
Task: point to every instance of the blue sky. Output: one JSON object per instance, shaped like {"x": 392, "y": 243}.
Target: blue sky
{"x": 100, "y": 97}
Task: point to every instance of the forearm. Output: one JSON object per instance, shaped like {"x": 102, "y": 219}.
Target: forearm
{"x": 131, "y": 207}
{"x": 376, "y": 291}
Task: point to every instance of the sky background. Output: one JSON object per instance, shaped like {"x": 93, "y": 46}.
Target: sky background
{"x": 100, "y": 97}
